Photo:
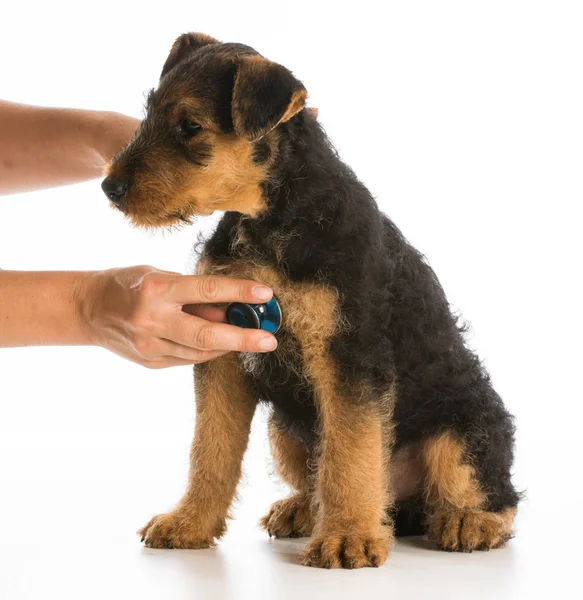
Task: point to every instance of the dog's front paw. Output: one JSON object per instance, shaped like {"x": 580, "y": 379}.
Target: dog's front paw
{"x": 348, "y": 550}
{"x": 179, "y": 530}
{"x": 290, "y": 517}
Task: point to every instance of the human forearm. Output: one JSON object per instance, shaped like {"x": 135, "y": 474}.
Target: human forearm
{"x": 155, "y": 318}
{"x": 42, "y": 309}
{"x": 46, "y": 147}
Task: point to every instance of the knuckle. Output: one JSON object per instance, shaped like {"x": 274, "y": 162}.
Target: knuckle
{"x": 144, "y": 270}
{"x": 154, "y": 284}
{"x": 209, "y": 288}
{"x": 143, "y": 347}
{"x": 147, "y": 284}
{"x": 204, "y": 337}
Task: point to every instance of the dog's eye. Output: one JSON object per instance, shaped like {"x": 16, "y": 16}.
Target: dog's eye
{"x": 188, "y": 128}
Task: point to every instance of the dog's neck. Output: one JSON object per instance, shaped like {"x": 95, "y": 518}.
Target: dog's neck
{"x": 309, "y": 195}
{"x": 308, "y": 181}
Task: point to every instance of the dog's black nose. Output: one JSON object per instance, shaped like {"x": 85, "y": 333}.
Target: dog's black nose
{"x": 114, "y": 189}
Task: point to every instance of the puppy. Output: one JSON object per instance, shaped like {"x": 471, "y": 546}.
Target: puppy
{"x": 382, "y": 420}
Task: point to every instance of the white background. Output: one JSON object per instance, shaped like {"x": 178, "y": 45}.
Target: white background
{"x": 465, "y": 119}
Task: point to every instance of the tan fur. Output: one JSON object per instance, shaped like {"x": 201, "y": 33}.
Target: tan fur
{"x": 386, "y": 406}
{"x": 291, "y": 459}
{"x": 224, "y": 410}
{"x": 352, "y": 489}
{"x": 454, "y": 500}
{"x": 232, "y": 181}
{"x": 449, "y": 479}
{"x": 293, "y": 516}
{"x": 196, "y": 109}
{"x": 355, "y": 464}
{"x": 309, "y": 311}
{"x": 167, "y": 190}
{"x": 473, "y": 529}
{"x": 290, "y": 517}
{"x": 297, "y": 102}
{"x": 343, "y": 488}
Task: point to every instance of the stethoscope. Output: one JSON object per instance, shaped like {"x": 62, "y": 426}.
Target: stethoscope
{"x": 255, "y": 316}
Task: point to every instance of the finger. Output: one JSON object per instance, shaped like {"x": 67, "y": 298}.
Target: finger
{"x": 203, "y": 335}
{"x": 208, "y": 312}
{"x": 199, "y": 289}
{"x": 315, "y": 112}
{"x": 172, "y": 351}
{"x": 169, "y": 361}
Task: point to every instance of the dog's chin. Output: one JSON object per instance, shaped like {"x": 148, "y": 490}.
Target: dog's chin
{"x": 140, "y": 214}
{"x": 172, "y": 220}
{"x": 158, "y": 222}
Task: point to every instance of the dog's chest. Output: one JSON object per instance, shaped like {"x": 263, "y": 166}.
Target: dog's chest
{"x": 310, "y": 316}
{"x": 276, "y": 373}
{"x": 278, "y": 379}
{"x": 253, "y": 363}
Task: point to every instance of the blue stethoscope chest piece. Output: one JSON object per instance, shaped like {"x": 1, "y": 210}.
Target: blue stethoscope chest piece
{"x": 255, "y": 316}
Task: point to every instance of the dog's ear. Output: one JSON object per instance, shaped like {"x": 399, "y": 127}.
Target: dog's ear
{"x": 265, "y": 94}
{"x": 183, "y": 47}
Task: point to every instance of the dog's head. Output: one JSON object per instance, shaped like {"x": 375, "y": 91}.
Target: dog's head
{"x": 203, "y": 143}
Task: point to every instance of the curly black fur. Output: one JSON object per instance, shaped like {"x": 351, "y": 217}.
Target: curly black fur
{"x": 400, "y": 324}
{"x": 321, "y": 225}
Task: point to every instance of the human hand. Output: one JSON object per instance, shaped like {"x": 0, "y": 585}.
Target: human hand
{"x": 114, "y": 132}
{"x": 160, "y": 319}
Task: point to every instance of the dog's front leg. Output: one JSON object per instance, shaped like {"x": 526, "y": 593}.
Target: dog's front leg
{"x": 224, "y": 410}
{"x": 352, "y": 485}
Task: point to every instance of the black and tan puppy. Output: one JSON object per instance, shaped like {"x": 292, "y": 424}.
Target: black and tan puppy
{"x": 383, "y": 421}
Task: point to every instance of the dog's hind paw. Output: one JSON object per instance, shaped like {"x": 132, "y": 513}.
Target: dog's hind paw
{"x": 458, "y": 530}
{"x": 290, "y": 517}
{"x": 177, "y": 530}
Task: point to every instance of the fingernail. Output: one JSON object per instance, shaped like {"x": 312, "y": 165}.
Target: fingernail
{"x": 267, "y": 344}
{"x": 262, "y": 292}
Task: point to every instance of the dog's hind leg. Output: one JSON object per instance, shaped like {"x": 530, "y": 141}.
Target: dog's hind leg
{"x": 457, "y": 509}
{"x": 224, "y": 410}
{"x": 290, "y": 517}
